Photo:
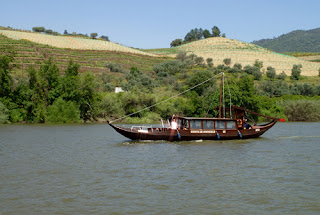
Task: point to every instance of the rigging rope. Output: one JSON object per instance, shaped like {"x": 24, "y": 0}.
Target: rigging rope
{"x": 146, "y": 108}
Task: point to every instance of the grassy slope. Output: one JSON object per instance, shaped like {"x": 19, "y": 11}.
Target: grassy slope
{"x": 30, "y": 53}
{"x": 244, "y": 53}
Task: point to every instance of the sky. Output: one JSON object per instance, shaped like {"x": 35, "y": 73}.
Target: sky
{"x": 155, "y": 24}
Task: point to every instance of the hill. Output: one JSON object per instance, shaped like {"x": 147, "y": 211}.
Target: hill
{"x": 71, "y": 42}
{"x": 295, "y": 41}
{"x": 92, "y": 55}
{"x": 30, "y": 53}
{"x": 219, "y": 48}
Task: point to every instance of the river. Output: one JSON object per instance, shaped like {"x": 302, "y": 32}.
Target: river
{"x": 91, "y": 169}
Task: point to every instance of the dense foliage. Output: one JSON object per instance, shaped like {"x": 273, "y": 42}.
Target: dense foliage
{"x": 198, "y": 34}
{"x": 49, "y": 95}
{"x": 295, "y": 41}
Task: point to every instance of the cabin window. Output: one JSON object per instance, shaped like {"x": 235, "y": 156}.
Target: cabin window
{"x": 186, "y": 124}
{"x": 220, "y": 125}
{"x": 208, "y": 125}
{"x": 195, "y": 124}
{"x": 231, "y": 125}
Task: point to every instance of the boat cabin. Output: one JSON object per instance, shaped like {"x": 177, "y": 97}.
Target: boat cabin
{"x": 198, "y": 123}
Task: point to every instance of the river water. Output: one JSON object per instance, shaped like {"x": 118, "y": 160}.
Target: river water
{"x": 91, "y": 169}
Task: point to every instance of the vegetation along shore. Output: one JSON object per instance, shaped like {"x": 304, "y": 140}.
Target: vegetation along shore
{"x": 71, "y": 79}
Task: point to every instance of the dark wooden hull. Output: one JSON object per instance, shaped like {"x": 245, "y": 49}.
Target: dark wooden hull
{"x": 187, "y": 135}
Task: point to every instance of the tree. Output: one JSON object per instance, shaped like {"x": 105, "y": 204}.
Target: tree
{"x": 182, "y": 56}
{"x": 5, "y": 77}
{"x": 281, "y": 76}
{"x": 258, "y": 63}
{"x": 271, "y": 72}
{"x": 38, "y": 29}
{"x": 176, "y": 42}
{"x": 62, "y": 111}
{"x": 209, "y": 62}
{"x": 227, "y": 61}
{"x": 253, "y": 70}
{"x": 49, "y": 31}
{"x": 206, "y": 34}
{"x": 65, "y": 32}
{"x": 87, "y": 97}
{"x": 198, "y": 77}
{"x": 105, "y": 38}
{"x": 296, "y": 72}
{"x": 216, "y": 31}
{"x": 93, "y": 35}
{"x": 115, "y": 67}
{"x": 4, "y": 113}
{"x": 199, "y": 60}
{"x": 70, "y": 83}
{"x": 193, "y": 35}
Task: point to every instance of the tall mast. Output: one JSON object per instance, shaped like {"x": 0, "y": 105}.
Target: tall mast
{"x": 221, "y": 95}
{"x": 224, "y": 103}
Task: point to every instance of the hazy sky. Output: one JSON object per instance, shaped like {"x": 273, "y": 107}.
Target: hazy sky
{"x": 154, "y": 24}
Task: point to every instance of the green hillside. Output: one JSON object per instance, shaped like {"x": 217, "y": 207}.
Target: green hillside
{"x": 33, "y": 54}
{"x": 295, "y": 41}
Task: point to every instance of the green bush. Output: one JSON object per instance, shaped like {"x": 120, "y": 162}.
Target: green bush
{"x": 4, "y": 113}
{"x": 271, "y": 72}
{"x": 17, "y": 115}
{"x": 296, "y": 72}
{"x": 114, "y": 67}
{"x": 281, "y": 76}
{"x": 63, "y": 112}
{"x": 171, "y": 67}
{"x": 302, "y": 110}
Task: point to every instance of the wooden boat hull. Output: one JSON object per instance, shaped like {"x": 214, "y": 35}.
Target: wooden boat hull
{"x": 187, "y": 135}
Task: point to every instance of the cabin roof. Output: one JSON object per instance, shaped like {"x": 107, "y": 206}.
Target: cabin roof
{"x": 204, "y": 118}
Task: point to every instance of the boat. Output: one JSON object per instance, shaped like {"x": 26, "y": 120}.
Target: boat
{"x": 181, "y": 128}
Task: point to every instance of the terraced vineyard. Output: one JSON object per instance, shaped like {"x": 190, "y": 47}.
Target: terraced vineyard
{"x": 71, "y": 42}
{"x": 30, "y": 53}
{"x": 220, "y": 48}
{"x": 92, "y": 55}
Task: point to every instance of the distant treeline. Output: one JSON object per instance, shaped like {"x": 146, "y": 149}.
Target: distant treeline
{"x": 52, "y": 32}
{"x": 197, "y": 34}
{"x": 295, "y": 41}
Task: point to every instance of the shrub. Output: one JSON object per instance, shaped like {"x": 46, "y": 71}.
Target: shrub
{"x": 181, "y": 56}
{"x": 192, "y": 56}
{"x": 210, "y": 62}
{"x": 105, "y": 38}
{"x": 227, "y": 61}
{"x": 38, "y": 29}
{"x": 253, "y": 70}
{"x": 93, "y": 35}
{"x": 271, "y": 72}
{"x": 176, "y": 42}
{"x": 136, "y": 78}
{"x": 4, "y": 113}
{"x": 258, "y": 63}
{"x": 171, "y": 67}
{"x": 237, "y": 66}
{"x": 198, "y": 77}
{"x": 302, "y": 110}
{"x": 281, "y": 76}
{"x": 296, "y": 72}
{"x": 114, "y": 67}
{"x": 17, "y": 115}
{"x": 199, "y": 60}
{"x": 63, "y": 112}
